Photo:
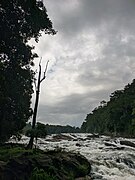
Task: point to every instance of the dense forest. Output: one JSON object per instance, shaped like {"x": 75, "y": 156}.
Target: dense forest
{"x": 115, "y": 117}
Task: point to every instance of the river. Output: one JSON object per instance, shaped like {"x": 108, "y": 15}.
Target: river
{"x": 109, "y": 157}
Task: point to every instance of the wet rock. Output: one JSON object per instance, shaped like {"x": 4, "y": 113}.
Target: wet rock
{"x": 79, "y": 145}
{"x": 84, "y": 178}
{"x": 127, "y": 143}
{"x": 62, "y": 165}
{"x": 96, "y": 176}
{"x": 114, "y": 146}
{"x": 60, "y": 137}
{"x": 92, "y": 136}
{"x": 110, "y": 144}
{"x": 126, "y": 161}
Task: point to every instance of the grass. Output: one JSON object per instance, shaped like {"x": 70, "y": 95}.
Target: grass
{"x": 37, "y": 157}
{"x": 40, "y": 174}
{"x": 9, "y": 151}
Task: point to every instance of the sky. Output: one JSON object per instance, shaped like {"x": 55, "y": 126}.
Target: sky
{"x": 91, "y": 56}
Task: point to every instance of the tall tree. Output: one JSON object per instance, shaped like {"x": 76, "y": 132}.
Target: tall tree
{"x": 40, "y": 79}
{"x": 20, "y": 21}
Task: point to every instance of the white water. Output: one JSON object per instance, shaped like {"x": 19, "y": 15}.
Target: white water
{"x": 116, "y": 162}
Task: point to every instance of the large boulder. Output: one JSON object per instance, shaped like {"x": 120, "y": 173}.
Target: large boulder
{"x": 58, "y": 164}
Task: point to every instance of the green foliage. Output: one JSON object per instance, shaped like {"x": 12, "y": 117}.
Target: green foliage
{"x": 40, "y": 174}
{"x": 20, "y": 21}
{"x": 57, "y": 129}
{"x": 38, "y": 132}
{"x": 52, "y": 129}
{"x": 115, "y": 116}
{"x": 12, "y": 152}
{"x": 8, "y": 151}
{"x": 83, "y": 169}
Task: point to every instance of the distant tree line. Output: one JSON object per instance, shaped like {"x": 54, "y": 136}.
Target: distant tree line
{"x": 57, "y": 129}
{"x": 115, "y": 117}
{"x": 51, "y": 129}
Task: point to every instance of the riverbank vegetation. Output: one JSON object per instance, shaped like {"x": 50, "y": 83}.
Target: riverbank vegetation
{"x": 34, "y": 164}
{"x": 115, "y": 117}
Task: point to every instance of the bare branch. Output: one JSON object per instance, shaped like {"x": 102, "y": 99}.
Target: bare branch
{"x": 40, "y": 64}
{"x": 35, "y": 81}
{"x": 35, "y": 84}
{"x": 44, "y": 76}
{"x": 40, "y": 61}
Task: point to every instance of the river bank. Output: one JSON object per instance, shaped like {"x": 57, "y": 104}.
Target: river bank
{"x": 17, "y": 163}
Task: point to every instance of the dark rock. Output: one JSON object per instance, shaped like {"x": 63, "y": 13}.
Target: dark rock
{"x": 127, "y": 143}
{"x": 110, "y": 144}
{"x": 96, "y": 176}
{"x": 84, "y": 178}
{"x": 77, "y": 144}
{"x": 92, "y": 136}
{"x": 114, "y": 146}
{"x": 62, "y": 165}
{"x": 126, "y": 161}
{"x": 119, "y": 148}
{"x": 60, "y": 137}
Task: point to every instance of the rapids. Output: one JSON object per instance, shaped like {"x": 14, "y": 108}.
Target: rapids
{"x": 110, "y": 159}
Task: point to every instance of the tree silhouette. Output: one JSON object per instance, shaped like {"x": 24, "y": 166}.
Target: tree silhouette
{"x": 40, "y": 80}
{"x": 20, "y": 20}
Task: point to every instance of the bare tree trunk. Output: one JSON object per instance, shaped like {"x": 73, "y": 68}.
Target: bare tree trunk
{"x": 30, "y": 145}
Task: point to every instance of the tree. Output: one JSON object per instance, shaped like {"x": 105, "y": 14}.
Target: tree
{"x": 38, "y": 132}
{"x": 30, "y": 145}
{"x": 115, "y": 117}
{"x": 20, "y": 21}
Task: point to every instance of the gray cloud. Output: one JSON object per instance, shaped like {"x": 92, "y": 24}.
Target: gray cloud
{"x": 71, "y": 110}
{"x": 91, "y": 56}
{"x": 73, "y": 17}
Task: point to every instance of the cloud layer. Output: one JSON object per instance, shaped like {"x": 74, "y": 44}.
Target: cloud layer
{"x": 91, "y": 56}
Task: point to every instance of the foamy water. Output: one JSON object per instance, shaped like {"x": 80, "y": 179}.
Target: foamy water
{"x": 112, "y": 162}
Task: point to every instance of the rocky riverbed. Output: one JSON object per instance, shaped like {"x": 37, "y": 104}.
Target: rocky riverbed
{"x": 110, "y": 158}
{"x": 17, "y": 163}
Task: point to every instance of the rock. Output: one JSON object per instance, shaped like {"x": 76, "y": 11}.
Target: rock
{"x": 96, "y": 176}
{"x": 84, "y": 178}
{"x": 126, "y": 161}
{"x": 62, "y": 165}
{"x": 79, "y": 145}
{"x": 93, "y": 136}
{"x": 110, "y": 144}
{"x": 60, "y": 137}
{"x": 127, "y": 143}
{"x": 114, "y": 146}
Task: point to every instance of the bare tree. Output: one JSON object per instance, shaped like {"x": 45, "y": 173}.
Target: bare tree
{"x": 40, "y": 79}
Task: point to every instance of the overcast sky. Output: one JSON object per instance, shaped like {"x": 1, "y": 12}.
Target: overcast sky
{"x": 92, "y": 55}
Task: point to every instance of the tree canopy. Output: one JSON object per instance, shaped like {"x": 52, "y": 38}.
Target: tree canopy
{"x": 20, "y": 21}
{"x": 38, "y": 132}
{"x": 117, "y": 116}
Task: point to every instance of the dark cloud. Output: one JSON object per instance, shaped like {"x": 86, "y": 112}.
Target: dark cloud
{"x": 72, "y": 109}
{"x": 74, "y": 17}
